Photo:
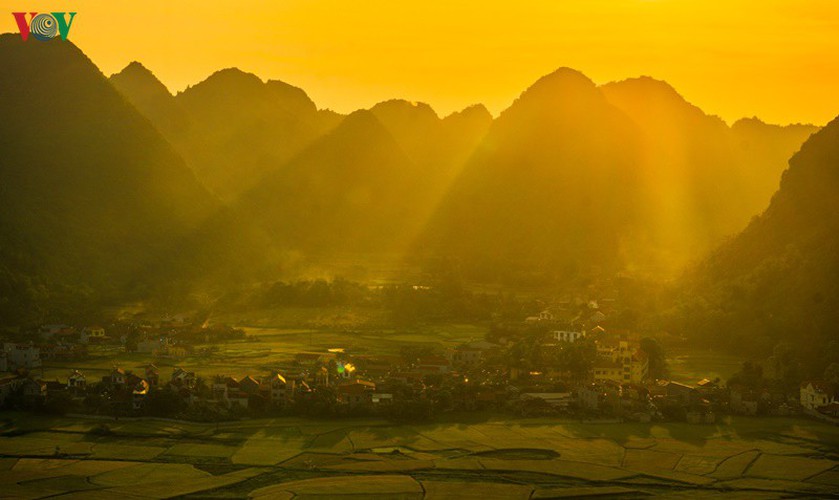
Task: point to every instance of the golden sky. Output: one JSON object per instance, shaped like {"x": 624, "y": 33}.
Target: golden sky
{"x": 775, "y": 59}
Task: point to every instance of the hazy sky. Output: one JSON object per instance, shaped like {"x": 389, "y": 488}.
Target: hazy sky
{"x": 778, "y": 60}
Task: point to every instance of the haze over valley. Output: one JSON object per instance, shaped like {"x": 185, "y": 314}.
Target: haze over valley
{"x": 315, "y": 285}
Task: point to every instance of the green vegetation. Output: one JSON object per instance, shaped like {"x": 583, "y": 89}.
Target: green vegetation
{"x": 105, "y": 211}
{"x": 267, "y": 349}
{"x": 771, "y": 291}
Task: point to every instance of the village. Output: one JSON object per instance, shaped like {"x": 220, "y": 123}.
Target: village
{"x": 539, "y": 366}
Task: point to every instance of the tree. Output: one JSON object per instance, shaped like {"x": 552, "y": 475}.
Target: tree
{"x": 59, "y": 403}
{"x": 578, "y": 358}
{"x": 655, "y": 354}
{"x": 164, "y": 403}
{"x": 785, "y": 364}
{"x": 750, "y": 376}
{"x": 831, "y": 374}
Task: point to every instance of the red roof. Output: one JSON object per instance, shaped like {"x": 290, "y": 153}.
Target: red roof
{"x": 819, "y": 386}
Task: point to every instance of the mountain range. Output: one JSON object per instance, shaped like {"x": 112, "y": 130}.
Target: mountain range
{"x": 97, "y": 204}
{"x": 637, "y": 176}
{"x": 776, "y": 281}
{"x": 122, "y": 189}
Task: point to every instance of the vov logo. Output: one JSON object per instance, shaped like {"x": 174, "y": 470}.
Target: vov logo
{"x": 44, "y": 26}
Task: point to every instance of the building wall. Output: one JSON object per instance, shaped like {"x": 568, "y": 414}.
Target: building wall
{"x": 812, "y": 398}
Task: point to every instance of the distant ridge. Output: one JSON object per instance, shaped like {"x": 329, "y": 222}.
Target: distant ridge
{"x": 234, "y": 173}
{"x": 93, "y": 212}
{"x": 776, "y": 281}
{"x": 232, "y": 128}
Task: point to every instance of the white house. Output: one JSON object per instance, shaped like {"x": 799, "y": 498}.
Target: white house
{"x": 76, "y": 380}
{"x": 92, "y": 333}
{"x": 545, "y": 315}
{"x": 815, "y": 394}
{"x": 567, "y": 335}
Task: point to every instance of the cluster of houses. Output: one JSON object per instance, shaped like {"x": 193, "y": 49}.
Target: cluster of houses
{"x": 19, "y": 356}
{"x": 473, "y": 375}
{"x": 171, "y": 338}
{"x": 820, "y": 399}
{"x": 619, "y": 358}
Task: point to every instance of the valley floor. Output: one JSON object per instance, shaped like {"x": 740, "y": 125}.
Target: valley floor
{"x": 62, "y": 457}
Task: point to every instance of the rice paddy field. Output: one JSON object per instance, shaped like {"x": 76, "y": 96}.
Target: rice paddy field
{"x": 748, "y": 458}
{"x": 689, "y": 365}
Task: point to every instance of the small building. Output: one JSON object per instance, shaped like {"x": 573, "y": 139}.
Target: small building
{"x": 599, "y": 396}
{"x": 685, "y": 394}
{"x": 567, "y": 335}
{"x": 381, "y": 398}
{"x": 182, "y": 378}
{"x": 117, "y": 377}
{"x": 544, "y": 316}
{"x": 280, "y": 390}
{"x": 33, "y": 389}
{"x": 92, "y": 334}
{"x": 815, "y": 394}
{"x": 706, "y": 384}
{"x": 465, "y": 356}
{"x": 433, "y": 365}
{"x": 359, "y": 392}
{"x": 236, "y": 397}
{"x": 219, "y": 388}
{"x": 76, "y": 381}
{"x": 639, "y": 367}
{"x": 249, "y": 385}
{"x": 605, "y": 369}
{"x": 743, "y": 401}
{"x": 19, "y": 356}
{"x": 621, "y": 362}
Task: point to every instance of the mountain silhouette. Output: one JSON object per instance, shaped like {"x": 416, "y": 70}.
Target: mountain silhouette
{"x": 625, "y": 175}
{"x": 234, "y": 128}
{"x": 628, "y": 174}
{"x": 96, "y": 203}
{"x": 703, "y": 180}
{"x": 122, "y": 189}
{"x": 348, "y": 192}
{"x": 368, "y": 186}
{"x": 153, "y": 100}
{"x": 552, "y": 183}
{"x": 777, "y": 280}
